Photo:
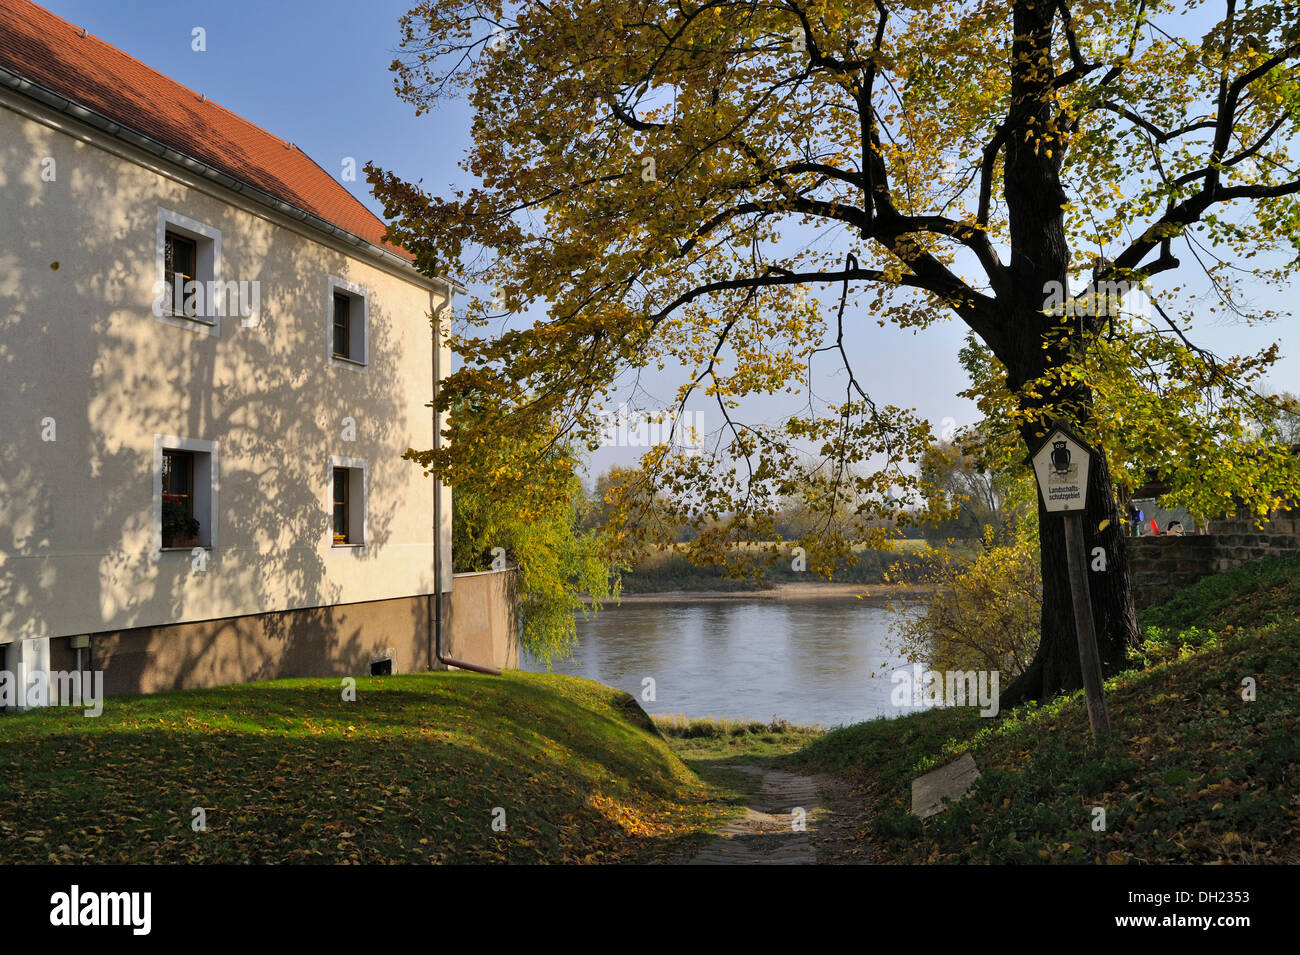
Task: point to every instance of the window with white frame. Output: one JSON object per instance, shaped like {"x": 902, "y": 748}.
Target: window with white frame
{"x": 184, "y": 493}
{"x": 188, "y": 288}
{"x": 348, "y": 500}
{"x": 348, "y": 312}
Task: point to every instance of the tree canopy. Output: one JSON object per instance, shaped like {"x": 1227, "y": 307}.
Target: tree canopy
{"x": 661, "y": 183}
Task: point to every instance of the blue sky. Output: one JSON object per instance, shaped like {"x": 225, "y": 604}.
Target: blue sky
{"x": 315, "y": 72}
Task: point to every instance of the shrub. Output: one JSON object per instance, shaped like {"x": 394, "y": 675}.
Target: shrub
{"x": 982, "y": 613}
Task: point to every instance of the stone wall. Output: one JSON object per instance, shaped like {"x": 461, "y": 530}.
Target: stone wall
{"x": 1161, "y": 566}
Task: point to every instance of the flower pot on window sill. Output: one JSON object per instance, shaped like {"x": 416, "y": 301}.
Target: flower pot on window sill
{"x": 180, "y": 540}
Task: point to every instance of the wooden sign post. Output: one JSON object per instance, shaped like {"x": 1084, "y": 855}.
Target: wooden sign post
{"x": 1061, "y": 465}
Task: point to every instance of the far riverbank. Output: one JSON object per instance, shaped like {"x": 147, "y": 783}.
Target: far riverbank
{"x": 800, "y": 591}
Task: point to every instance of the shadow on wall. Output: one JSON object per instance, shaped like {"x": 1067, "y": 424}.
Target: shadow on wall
{"x": 88, "y": 377}
{"x": 321, "y": 642}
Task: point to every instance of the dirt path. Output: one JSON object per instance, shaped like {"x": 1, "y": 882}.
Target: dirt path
{"x": 769, "y": 833}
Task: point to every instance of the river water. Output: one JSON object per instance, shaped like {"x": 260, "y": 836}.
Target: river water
{"x": 806, "y": 661}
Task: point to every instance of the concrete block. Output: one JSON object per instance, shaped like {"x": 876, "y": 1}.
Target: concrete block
{"x": 951, "y": 781}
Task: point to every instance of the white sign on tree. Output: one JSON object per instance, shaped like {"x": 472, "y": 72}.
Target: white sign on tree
{"x": 1061, "y": 465}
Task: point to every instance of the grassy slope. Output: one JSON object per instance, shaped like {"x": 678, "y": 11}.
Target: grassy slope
{"x": 411, "y": 771}
{"x": 288, "y": 772}
{"x": 1193, "y": 773}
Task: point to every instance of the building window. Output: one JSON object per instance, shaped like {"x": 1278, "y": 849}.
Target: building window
{"x": 185, "y": 493}
{"x": 341, "y": 481}
{"x": 180, "y": 528}
{"x": 178, "y": 479}
{"x": 188, "y": 291}
{"x": 349, "y": 324}
{"x": 180, "y": 266}
{"x": 342, "y": 328}
{"x": 348, "y": 502}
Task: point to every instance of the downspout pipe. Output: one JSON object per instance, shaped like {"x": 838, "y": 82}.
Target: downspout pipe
{"x": 437, "y": 516}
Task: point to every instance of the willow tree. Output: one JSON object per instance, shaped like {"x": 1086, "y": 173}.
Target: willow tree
{"x": 730, "y": 188}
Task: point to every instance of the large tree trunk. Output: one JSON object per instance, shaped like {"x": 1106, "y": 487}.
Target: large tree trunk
{"x": 1056, "y": 667}
{"x": 1028, "y": 343}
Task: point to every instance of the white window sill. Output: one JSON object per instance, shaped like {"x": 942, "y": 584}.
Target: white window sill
{"x": 183, "y": 550}
{"x": 350, "y": 362}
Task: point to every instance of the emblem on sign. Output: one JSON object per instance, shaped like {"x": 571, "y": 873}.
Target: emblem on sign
{"x": 1060, "y": 457}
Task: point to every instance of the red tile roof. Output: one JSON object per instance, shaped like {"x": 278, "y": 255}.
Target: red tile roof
{"x": 48, "y": 51}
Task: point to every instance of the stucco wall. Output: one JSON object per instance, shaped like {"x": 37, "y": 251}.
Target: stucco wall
{"x": 481, "y": 623}
{"x": 81, "y": 348}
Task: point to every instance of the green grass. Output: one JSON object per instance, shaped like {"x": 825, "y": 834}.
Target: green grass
{"x": 718, "y": 739}
{"x": 409, "y": 772}
{"x": 412, "y": 771}
{"x": 713, "y": 747}
{"x": 1192, "y": 772}
{"x": 891, "y": 749}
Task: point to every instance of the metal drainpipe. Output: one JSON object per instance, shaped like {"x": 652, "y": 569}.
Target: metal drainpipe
{"x": 437, "y": 517}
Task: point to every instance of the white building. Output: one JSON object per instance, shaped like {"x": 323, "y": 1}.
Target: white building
{"x": 194, "y": 491}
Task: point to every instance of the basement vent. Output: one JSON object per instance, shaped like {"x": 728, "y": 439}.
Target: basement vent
{"x": 381, "y": 661}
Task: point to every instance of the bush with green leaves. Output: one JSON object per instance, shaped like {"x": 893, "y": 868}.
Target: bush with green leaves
{"x": 537, "y": 524}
